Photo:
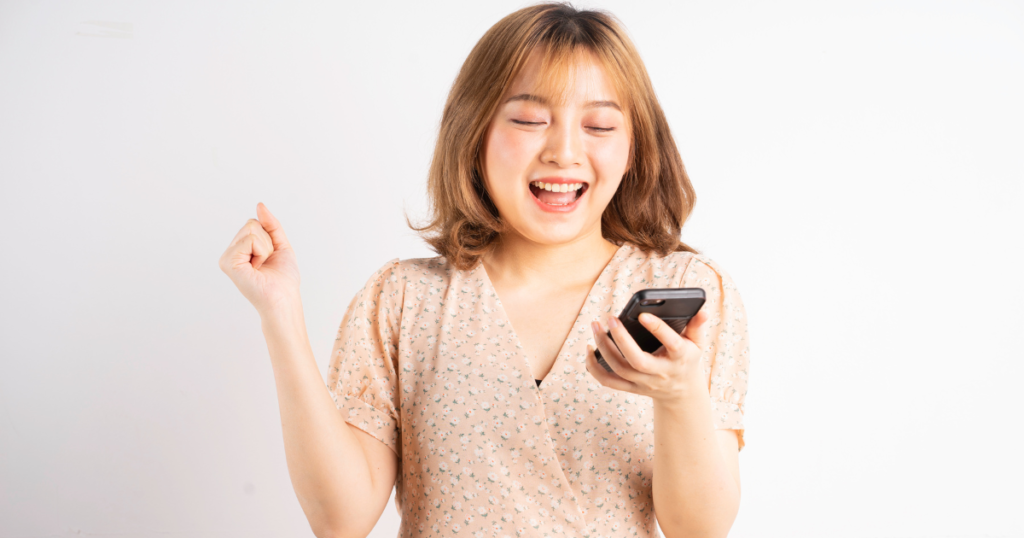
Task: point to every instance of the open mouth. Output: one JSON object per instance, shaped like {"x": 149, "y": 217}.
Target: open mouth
{"x": 557, "y": 194}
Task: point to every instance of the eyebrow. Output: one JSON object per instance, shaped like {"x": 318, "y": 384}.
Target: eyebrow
{"x": 540, "y": 100}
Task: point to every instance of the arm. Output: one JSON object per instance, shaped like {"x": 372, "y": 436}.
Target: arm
{"x": 696, "y": 469}
{"x": 696, "y": 480}
{"x": 342, "y": 476}
{"x": 699, "y": 423}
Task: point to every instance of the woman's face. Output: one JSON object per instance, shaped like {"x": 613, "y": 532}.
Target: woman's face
{"x": 535, "y": 149}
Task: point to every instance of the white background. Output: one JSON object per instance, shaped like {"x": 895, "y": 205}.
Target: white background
{"x": 858, "y": 168}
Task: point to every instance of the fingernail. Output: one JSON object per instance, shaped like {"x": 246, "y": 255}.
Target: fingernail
{"x": 612, "y": 322}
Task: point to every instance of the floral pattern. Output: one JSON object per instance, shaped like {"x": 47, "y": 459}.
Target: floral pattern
{"x": 427, "y": 362}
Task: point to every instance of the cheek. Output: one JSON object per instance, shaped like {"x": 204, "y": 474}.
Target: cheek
{"x": 610, "y": 157}
{"x": 508, "y": 153}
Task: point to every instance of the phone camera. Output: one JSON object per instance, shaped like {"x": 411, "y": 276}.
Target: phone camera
{"x": 650, "y": 302}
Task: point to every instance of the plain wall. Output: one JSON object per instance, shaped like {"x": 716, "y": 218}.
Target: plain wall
{"x": 858, "y": 167}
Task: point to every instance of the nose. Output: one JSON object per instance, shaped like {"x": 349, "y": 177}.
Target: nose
{"x": 564, "y": 147}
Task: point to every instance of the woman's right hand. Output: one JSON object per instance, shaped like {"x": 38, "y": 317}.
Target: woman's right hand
{"x": 261, "y": 263}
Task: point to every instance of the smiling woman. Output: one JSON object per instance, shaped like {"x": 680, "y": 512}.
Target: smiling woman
{"x": 553, "y": 71}
{"x": 469, "y": 381}
{"x": 585, "y": 124}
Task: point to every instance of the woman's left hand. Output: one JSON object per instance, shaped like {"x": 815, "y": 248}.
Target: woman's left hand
{"x": 672, "y": 372}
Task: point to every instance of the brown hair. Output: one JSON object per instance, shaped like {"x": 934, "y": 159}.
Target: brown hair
{"x": 655, "y": 196}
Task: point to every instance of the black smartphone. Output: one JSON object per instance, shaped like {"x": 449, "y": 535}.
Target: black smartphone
{"x": 675, "y": 306}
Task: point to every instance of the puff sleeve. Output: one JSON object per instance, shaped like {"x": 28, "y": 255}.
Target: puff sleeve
{"x": 726, "y": 361}
{"x": 362, "y": 373}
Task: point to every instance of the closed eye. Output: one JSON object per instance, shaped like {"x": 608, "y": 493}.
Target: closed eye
{"x": 528, "y": 122}
{"x": 602, "y": 129}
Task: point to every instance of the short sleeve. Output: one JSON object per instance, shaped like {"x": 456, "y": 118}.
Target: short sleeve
{"x": 362, "y": 377}
{"x": 727, "y": 357}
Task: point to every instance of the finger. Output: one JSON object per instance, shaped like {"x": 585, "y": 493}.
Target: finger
{"x": 244, "y": 231}
{"x": 236, "y": 259}
{"x": 270, "y": 223}
{"x": 631, "y": 352}
{"x": 262, "y": 245}
{"x": 612, "y": 355}
{"x": 696, "y": 330}
{"x": 260, "y": 251}
{"x": 672, "y": 341}
{"x": 251, "y": 226}
{"x": 604, "y": 377}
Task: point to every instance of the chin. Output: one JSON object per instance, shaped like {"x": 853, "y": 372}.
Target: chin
{"x": 558, "y": 235}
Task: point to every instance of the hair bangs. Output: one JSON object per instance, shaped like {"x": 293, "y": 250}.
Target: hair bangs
{"x": 559, "y": 64}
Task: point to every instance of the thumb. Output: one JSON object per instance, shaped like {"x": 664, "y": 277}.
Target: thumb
{"x": 272, "y": 226}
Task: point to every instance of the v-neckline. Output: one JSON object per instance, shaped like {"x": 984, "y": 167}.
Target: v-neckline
{"x": 524, "y": 360}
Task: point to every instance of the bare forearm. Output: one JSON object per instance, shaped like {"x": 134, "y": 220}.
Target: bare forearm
{"x": 328, "y": 468}
{"x": 695, "y": 493}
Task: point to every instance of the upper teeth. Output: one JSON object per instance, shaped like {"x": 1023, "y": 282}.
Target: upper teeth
{"x": 557, "y": 187}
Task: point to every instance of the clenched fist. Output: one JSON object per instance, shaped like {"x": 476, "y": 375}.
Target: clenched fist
{"x": 261, "y": 263}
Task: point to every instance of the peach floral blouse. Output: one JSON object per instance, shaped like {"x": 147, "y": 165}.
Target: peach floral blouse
{"x": 427, "y": 362}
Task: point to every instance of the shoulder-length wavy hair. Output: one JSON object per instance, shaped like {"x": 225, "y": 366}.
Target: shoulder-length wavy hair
{"x": 655, "y": 196}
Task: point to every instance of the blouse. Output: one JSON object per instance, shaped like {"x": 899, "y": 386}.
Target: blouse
{"x": 427, "y": 362}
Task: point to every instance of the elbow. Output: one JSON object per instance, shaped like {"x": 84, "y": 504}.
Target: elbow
{"x": 321, "y": 533}
{"x": 326, "y": 528}
{"x": 709, "y": 524}
{"x": 321, "y": 525}
{"x": 340, "y": 531}
{"x": 697, "y": 533}
{"x": 337, "y": 524}
{"x": 326, "y": 531}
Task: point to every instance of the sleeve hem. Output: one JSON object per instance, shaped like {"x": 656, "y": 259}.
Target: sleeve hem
{"x": 371, "y": 420}
{"x": 739, "y": 436}
{"x": 728, "y": 416}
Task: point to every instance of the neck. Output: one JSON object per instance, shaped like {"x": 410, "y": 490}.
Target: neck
{"x": 518, "y": 258}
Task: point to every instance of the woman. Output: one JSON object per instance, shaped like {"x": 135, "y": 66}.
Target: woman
{"x": 557, "y": 187}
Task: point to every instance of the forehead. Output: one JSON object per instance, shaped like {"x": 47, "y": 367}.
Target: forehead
{"x": 568, "y": 79}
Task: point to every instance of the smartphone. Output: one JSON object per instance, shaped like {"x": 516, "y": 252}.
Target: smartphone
{"x": 675, "y": 306}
